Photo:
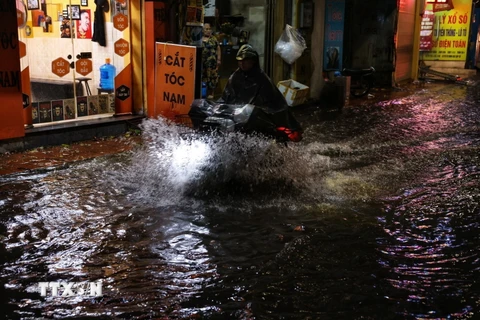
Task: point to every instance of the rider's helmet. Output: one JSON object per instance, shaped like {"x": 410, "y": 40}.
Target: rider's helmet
{"x": 246, "y": 52}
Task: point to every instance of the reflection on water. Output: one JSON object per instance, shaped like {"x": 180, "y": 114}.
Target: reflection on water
{"x": 374, "y": 216}
{"x": 432, "y": 248}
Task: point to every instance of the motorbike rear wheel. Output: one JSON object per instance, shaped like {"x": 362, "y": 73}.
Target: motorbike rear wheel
{"x": 360, "y": 87}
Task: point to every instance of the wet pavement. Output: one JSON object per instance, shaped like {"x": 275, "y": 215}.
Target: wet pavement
{"x": 66, "y": 154}
{"x": 374, "y": 215}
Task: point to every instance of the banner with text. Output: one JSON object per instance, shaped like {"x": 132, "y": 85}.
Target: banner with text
{"x": 447, "y": 39}
{"x": 174, "y": 79}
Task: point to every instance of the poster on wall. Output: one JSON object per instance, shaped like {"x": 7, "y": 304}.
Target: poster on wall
{"x": 103, "y": 103}
{"x": 334, "y": 26}
{"x": 35, "y": 115}
{"x": 93, "y": 107}
{"x": 174, "y": 79}
{"x": 66, "y": 29}
{"x": 69, "y": 109}
{"x": 84, "y": 25}
{"x": 450, "y": 32}
{"x": 57, "y": 110}
{"x": 426, "y": 31}
{"x": 33, "y": 4}
{"x": 45, "y": 111}
{"x": 82, "y": 109}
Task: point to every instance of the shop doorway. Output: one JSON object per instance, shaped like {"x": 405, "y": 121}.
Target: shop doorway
{"x": 60, "y": 61}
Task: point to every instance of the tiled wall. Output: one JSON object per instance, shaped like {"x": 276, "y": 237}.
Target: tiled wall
{"x": 41, "y": 51}
{"x": 49, "y": 106}
{"x": 52, "y": 96}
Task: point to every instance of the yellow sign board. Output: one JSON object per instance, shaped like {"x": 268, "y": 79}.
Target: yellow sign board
{"x": 174, "y": 79}
{"x": 450, "y": 32}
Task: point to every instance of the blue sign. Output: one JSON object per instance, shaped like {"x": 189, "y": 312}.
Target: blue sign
{"x": 334, "y": 28}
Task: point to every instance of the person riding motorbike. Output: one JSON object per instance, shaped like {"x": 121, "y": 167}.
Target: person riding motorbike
{"x": 250, "y": 85}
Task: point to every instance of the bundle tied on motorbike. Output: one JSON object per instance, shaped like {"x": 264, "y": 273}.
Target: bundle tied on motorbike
{"x": 250, "y": 103}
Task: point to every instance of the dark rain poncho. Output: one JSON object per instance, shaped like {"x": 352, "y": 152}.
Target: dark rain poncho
{"x": 271, "y": 110}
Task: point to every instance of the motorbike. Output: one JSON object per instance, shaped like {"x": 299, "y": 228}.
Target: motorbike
{"x": 207, "y": 115}
{"x": 361, "y": 80}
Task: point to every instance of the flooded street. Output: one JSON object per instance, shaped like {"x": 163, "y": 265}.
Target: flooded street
{"x": 374, "y": 215}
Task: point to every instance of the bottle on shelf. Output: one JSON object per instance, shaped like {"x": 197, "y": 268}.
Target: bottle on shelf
{"x": 107, "y": 75}
{"x": 204, "y": 90}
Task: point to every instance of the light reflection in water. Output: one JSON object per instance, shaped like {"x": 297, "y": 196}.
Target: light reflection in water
{"x": 293, "y": 236}
{"x": 432, "y": 251}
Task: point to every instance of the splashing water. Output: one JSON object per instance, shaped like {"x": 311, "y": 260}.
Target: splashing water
{"x": 178, "y": 163}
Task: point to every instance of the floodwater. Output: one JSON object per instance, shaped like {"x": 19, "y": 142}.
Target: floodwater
{"x": 374, "y": 215}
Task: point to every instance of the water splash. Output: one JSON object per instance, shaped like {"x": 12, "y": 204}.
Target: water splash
{"x": 177, "y": 163}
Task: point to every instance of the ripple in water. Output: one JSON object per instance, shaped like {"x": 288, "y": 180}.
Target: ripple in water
{"x": 432, "y": 249}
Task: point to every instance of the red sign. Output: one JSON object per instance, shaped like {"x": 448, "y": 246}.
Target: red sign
{"x": 84, "y": 66}
{"x": 441, "y": 5}
{"x": 60, "y": 67}
{"x": 11, "y": 106}
{"x": 23, "y": 49}
{"x": 426, "y": 31}
{"x": 84, "y": 26}
{"x": 21, "y": 19}
{"x": 122, "y": 47}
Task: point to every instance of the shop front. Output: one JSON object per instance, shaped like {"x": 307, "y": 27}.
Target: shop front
{"x": 173, "y": 47}
{"x": 73, "y": 68}
{"x": 63, "y": 46}
{"x": 445, "y": 36}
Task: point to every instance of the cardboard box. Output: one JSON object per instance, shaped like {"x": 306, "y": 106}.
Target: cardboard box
{"x": 294, "y": 92}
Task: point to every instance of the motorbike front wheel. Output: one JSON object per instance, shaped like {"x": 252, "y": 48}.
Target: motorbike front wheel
{"x": 360, "y": 87}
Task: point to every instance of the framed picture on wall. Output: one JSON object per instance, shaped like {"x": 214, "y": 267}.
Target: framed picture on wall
{"x": 84, "y": 3}
{"x": 74, "y": 11}
{"x": 33, "y": 4}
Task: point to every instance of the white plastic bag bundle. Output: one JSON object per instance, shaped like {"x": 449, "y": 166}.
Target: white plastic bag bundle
{"x": 291, "y": 45}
